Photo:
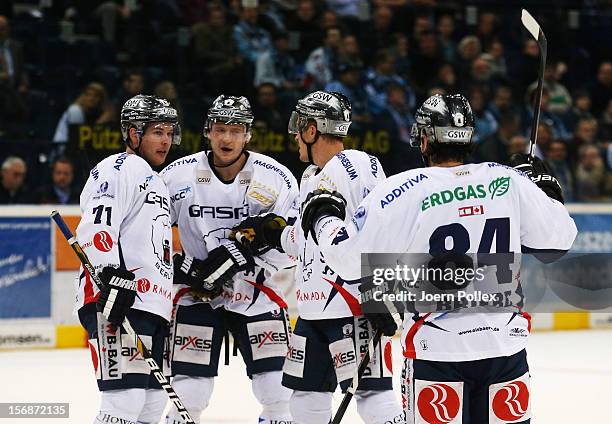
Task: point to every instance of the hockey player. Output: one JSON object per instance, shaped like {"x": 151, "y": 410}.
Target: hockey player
{"x": 459, "y": 367}
{"x": 331, "y": 332}
{"x": 125, "y": 231}
{"x": 210, "y": 193}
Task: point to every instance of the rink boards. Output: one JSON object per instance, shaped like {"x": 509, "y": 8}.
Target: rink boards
{"x": 37, "y": 269}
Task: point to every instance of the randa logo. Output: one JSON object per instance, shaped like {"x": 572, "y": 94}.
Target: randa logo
{"x": 438, "y": 403}
{"x": 103, "y": 241}
{"x": 511, "y": 402}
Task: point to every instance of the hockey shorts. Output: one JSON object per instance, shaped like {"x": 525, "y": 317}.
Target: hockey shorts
{"x": 325, "y": 352}
{"x": 116, "y": 361}
{"x": 198, "y": 335}
{"x": 493, "y": 391}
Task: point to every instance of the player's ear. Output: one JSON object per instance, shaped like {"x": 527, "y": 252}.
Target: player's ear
{"x": 424, "y": 142}
{"x": 134, "y": 138}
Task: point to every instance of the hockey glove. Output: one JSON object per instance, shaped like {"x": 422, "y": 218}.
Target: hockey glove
{"x": 260, "y": 233}
{"x": 222, "y": 263}
{"x": 117, "y": 294}
{"x": 189, "y": 270}
{"x": 318, "y": 204}
{"x": 378, "y": 313}
{"x": 539, "y": 172}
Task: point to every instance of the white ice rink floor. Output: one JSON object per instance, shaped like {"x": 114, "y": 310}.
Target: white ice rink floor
{"x": 571, "y": 382}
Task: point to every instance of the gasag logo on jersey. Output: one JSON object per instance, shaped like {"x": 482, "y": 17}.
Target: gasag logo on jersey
{"x": 181, "y": 194}
{"x": 152, "y": 198}
{"x": 219, "y": 212}
{"x": 262, "y": 194}
{"x": 192, "y": 344}
{"x": 499, "y": 186}
{"x": 398, "y": 191}
{"x": 268, "y": 339}
{"x": 103, "y": 241}
{"x": 457, "y": 194}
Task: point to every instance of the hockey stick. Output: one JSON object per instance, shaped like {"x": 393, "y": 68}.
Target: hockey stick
{"x": 536, "y": 32}
{"x": 159, "y": 375}
{"x": 350, "y": 392}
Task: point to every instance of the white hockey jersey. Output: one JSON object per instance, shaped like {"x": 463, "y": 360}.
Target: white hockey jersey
{"x": 475, "y": 208}
{"x": 125, "y": 222}
{"x": 321, "y": 293}
{"x": 206, "y": 209}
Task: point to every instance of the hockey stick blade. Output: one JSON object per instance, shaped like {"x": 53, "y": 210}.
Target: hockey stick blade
{"x": 536, "y": 32}
{"x": 146, "y": 354}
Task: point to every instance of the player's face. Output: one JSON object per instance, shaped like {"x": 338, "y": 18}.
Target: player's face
{"x": 308, "y": 134}
{"x": 227, "y": 141}
{"x": 155, "y": 143}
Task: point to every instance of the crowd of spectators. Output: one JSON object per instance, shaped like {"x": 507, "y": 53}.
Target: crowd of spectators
{"x": 66, "y": 62}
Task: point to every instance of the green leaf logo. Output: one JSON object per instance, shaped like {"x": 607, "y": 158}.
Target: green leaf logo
{"x": 499, "y": 186}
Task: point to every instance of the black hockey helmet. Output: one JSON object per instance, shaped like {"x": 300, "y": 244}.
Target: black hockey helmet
{"x": 230, "y": 110}
{"x": 142, "y": 109}
{"x": 445, "y": 118}
{"x": 330, "y": 110}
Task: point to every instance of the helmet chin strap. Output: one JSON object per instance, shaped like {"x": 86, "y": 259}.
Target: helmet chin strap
{"x": 309, "y": 146}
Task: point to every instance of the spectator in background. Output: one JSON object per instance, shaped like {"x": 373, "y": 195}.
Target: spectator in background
{"x": 605, "y": 124}
{"x": 268, "y": 115}
{"x": 397, "y": 118}
{"x": 468, "y": 49}
{"x": 447, "y": 80}
{"x": 495, "y": 57}
{"x": 584, "y": 134}
{"x": 486, "y": 30}
{"x": 303, "y": 25}
{"x": 91, "y": 107}
{"x": 553, "y": 120}
{"x": 581, "y": 109}
{"x": 12, "y": 188}
{"x": 502, "y": 103}
{"x": 349, "y": 52}
{"x": 446, "y": 37}
{"x": 480, "y": 76}
{"x": 484, "y": 121}
{"x": 133, "y": 84}
{"x": 379, "y": 78}
{"x": 518, "y": 144}
{"x": 401, "y": 52}
{"x": 277, "y": 66}
{"x": 349, "y": 84}
{"x": 556, "y": 158}
{"x": 167, "y": 90}
{"x": 377, "y": 34}
{"x": 60, "y": 190}
{"x": 525, "y": 69}
{"x": 426, "y": 60}
{"x": 593, "y": 183}
{"x": 322, "y": 61}
{"x": 216, "y": 55}
{"x": 498, "y": 147}
{"x": 601, "y": 91}
{"x": 251, "y": 38}
{"x": 545, "y": 137}
{"x": 13, "y": 80}
{"x": 560, "y": 100}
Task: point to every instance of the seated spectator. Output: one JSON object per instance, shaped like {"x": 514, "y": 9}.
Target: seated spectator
{"x": 322, "y": 61}
{"x": 377, "y": 33}
{"x": 552, "y": 119}
{"x": 277, "y": 66}
{"x": 447, "y": 79}
{"x": 401, "y": 53}
{"x": 397, "y": 118}
{"x": 498, "y": 146}
{"x": 60, "y": 191}
{"x": 485, "y": 123}
{"x": 349, "y": 84}
{"x": 12, "y": 190}
{"x": 250, "y": 37}
{"x": 446, "y": 37}
{"x": 601, "y": 90}
{"x": 216, "y": 54}
{"x": 560, "y": 100}
{"x": 268, "y": 115}
{"x": 556, "y": 158}
{"x": 426, "y": 61}
{"x": 605, "y": 123}
{"x": 167, "y": 90}
{"x": 378, "y": 80}
{"x": 487, "y": 29}
{"x": 349, "y": 51}
{"x": 303, "y": 27}
{"x": 133, "y": 83}
{"x": 593, "y": 182}
{"x": 518, "y": 144}
{"x": 581, "y": 109}
{"x": 495, "y": 57}
{"x": 13, "y": 79}
{"x": 468, "y": 49}
{"x": 91, "y": 107}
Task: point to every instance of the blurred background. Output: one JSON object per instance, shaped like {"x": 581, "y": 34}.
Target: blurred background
{"x": 67, "y": 66}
